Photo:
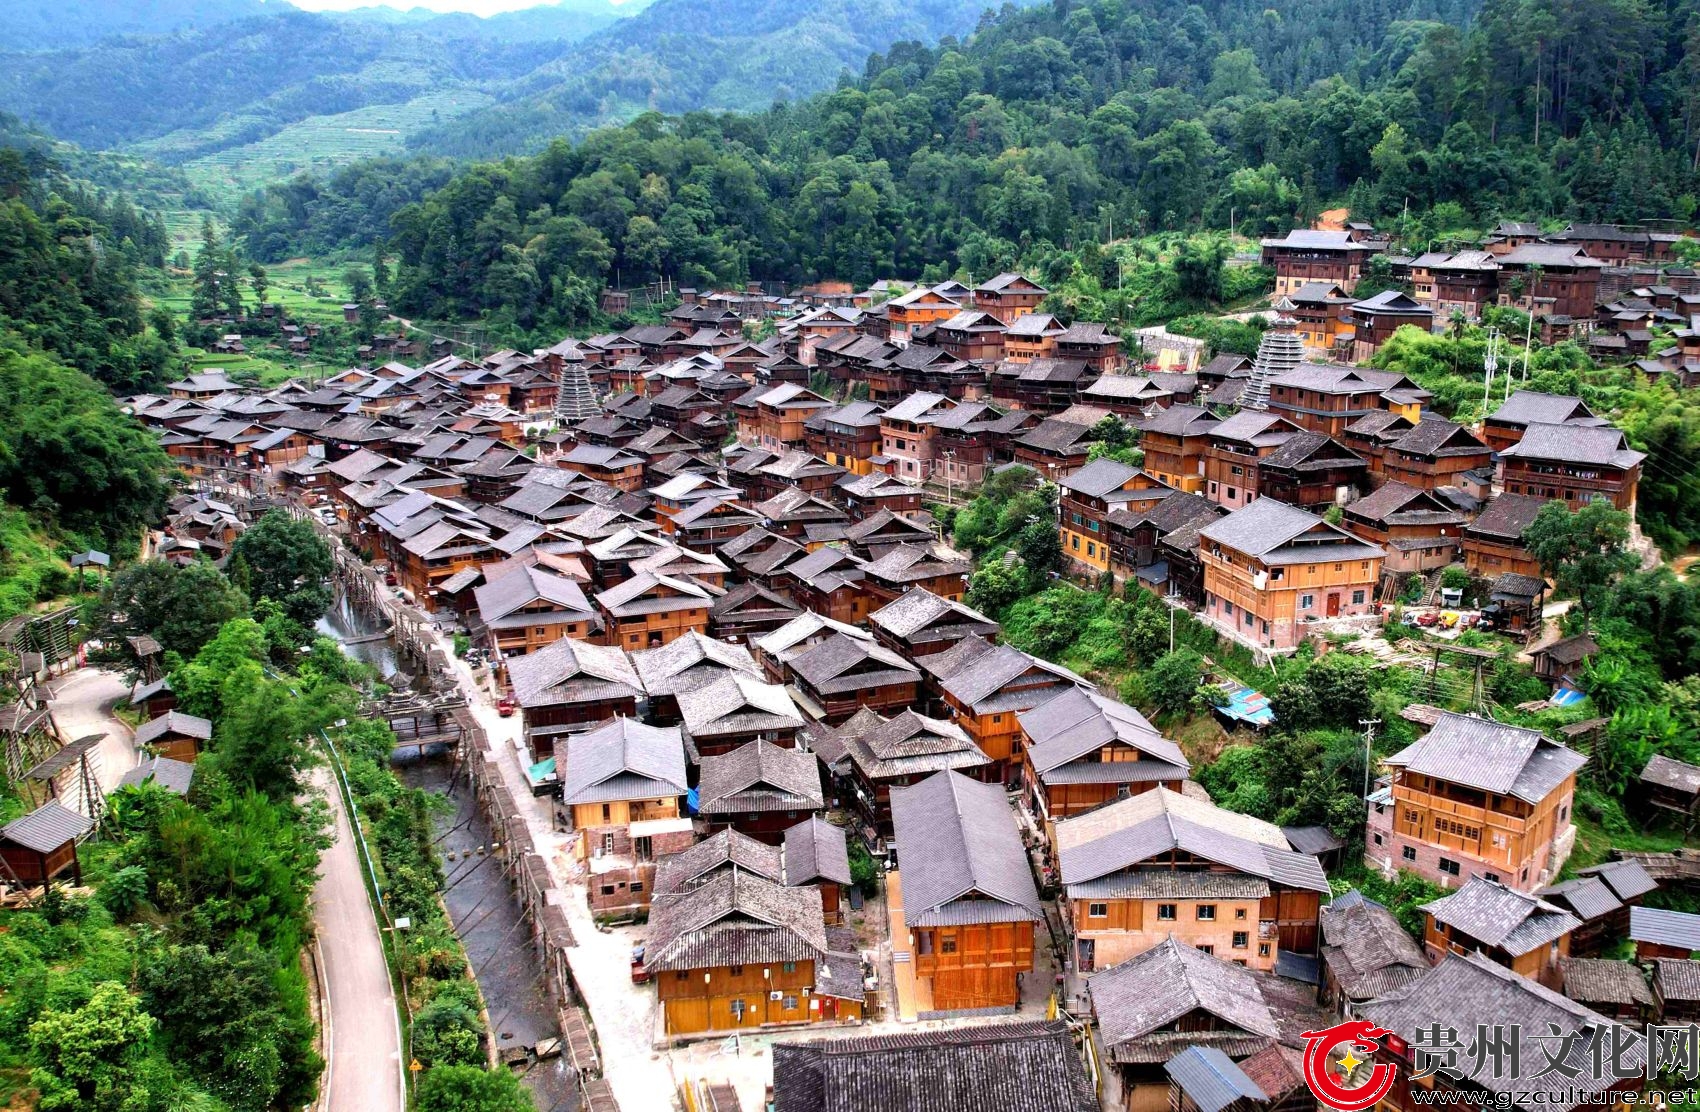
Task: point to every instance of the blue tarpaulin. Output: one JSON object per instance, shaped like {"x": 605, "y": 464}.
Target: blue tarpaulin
{"x": 1249, "y": 706}
{"x": 1566, "y": 697}
{"x": 692, "y": 801}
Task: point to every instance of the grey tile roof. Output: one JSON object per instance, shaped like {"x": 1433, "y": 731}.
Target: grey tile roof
{"x": 734, "y": 918}
{"x": 1527, "y": 407}
{"x": 1677, "y": 979}
{"x": 1210, "y": 1079}
{"x": 1313, "y": 840}
{"x": 503, "y": 597}
{"x": 1313, "y": 238}
{"x": 1271, "y": 531}
{"x": 690, "y": 661}
{"x": 909, "y": 563}
{"x": 735, "y": 704}
{"x": 1664, "y": 928}
{"x": 905, "y": 745}
{"x": 752, "y": 600}
{"x": 980, "y": 683}
{"x": 571, "y": 671}
{"x": 1549, "y": 255}
{"x": 1307, "y": 451}
{"x": 1502, "y": 917}
{"x": 1669, "y": 773}
{"x": 1433, "y": 436}
{"x": 1099, "y": 478}
{"x": 1599, "y": 446}
{"x": 622, "y": 759}
{"x": 759, "y": 776}
{"x": 918, "y": 608}
{"x": 916, "y": 406}
{"x": 1122, "y": 835}
{"x": 1513, "y": 585}
{"x": 1506, "y": 516}
{"x": 47, "y": 827}
{"x": 1139, "y": 1001}
{"x": 1366, "y": 949}
{"x": 842, "y": 663}
{"x": 816, "y": 850}
{"x": 173, "y": 722}
{"x": 173, "y": 776}
{"x": 961, "y": 856}
{"x": 1602, "y": 981}
{"x": 646, "y": 593}
{"x": 1627, "y": 879}
{"x": 1079, "y": 722}
{"x": 1588, "y": 896}
{"x": 1462, "y": 992}
{"x": 1008, "y": 1067}
{"x": 1490, "y": 756}
{"x": 721, "y": 851}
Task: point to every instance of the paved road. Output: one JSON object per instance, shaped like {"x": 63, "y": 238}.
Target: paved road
{"x": 361, "y": 1032}
{"x": 81, "y": 704}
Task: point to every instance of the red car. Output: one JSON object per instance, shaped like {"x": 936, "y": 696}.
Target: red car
{"x": 506, "y": 706}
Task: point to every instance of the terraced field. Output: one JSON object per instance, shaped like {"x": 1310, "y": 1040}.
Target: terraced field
{"x": 321, "y": 143}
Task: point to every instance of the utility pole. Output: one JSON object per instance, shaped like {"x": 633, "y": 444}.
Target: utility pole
{"x": 1528, "y": 341}
{"x": 1171, "y": 627}
{"x": 1490, "y": 363}
{"x": 1369, "y": 725}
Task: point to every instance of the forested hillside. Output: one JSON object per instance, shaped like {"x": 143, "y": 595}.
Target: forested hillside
{"x": 57, "y": 24}
{"x": 75, "y": 472}
{"x": 1031, "y": 138}
{"x": 249, "y": 78}
{"x": 243, "y": 103}
{"x": 685, "y": 55}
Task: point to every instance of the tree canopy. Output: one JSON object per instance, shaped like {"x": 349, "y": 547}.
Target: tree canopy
{"x": 281, "y": 558}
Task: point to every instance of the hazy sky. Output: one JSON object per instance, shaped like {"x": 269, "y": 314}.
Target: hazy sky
{"x": 476, "y": 7}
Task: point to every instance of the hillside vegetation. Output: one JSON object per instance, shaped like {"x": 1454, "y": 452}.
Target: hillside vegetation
{"x": 239, "y": 102}
{"x": 1029, "y": 141}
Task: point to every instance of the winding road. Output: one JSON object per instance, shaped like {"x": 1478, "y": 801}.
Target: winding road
{"x": 362, "y": 1036}
{"x": 81, "y": 703}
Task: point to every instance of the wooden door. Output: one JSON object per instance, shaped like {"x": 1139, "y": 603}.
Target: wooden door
{"x": 1333, "y": 604}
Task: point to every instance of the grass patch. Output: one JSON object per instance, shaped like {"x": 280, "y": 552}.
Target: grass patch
{"x": 32, "y": 569}
{"x": 1602, "y": 825}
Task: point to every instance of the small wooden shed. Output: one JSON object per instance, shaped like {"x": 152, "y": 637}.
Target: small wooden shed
{"x": 1672, "y": 785}
{"x": 176, "y": 735}
{"x": 42, "y": 844}
{"x": 1663, "y": 934}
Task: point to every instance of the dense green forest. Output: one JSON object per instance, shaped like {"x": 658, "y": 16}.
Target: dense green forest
{"x": 688, "y": 55}
{"x": 55, "y": 24}
{"x": 1026, "y": 142}
{"x": 233, "y": 83}
{"x": 75, "y": 472}
{"x": 244, "y": 101}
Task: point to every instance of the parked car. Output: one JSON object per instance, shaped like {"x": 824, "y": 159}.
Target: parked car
{"x": 506, "y": 706}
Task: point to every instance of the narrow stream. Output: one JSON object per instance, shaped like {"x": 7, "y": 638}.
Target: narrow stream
{"x": 480, "y": 901}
